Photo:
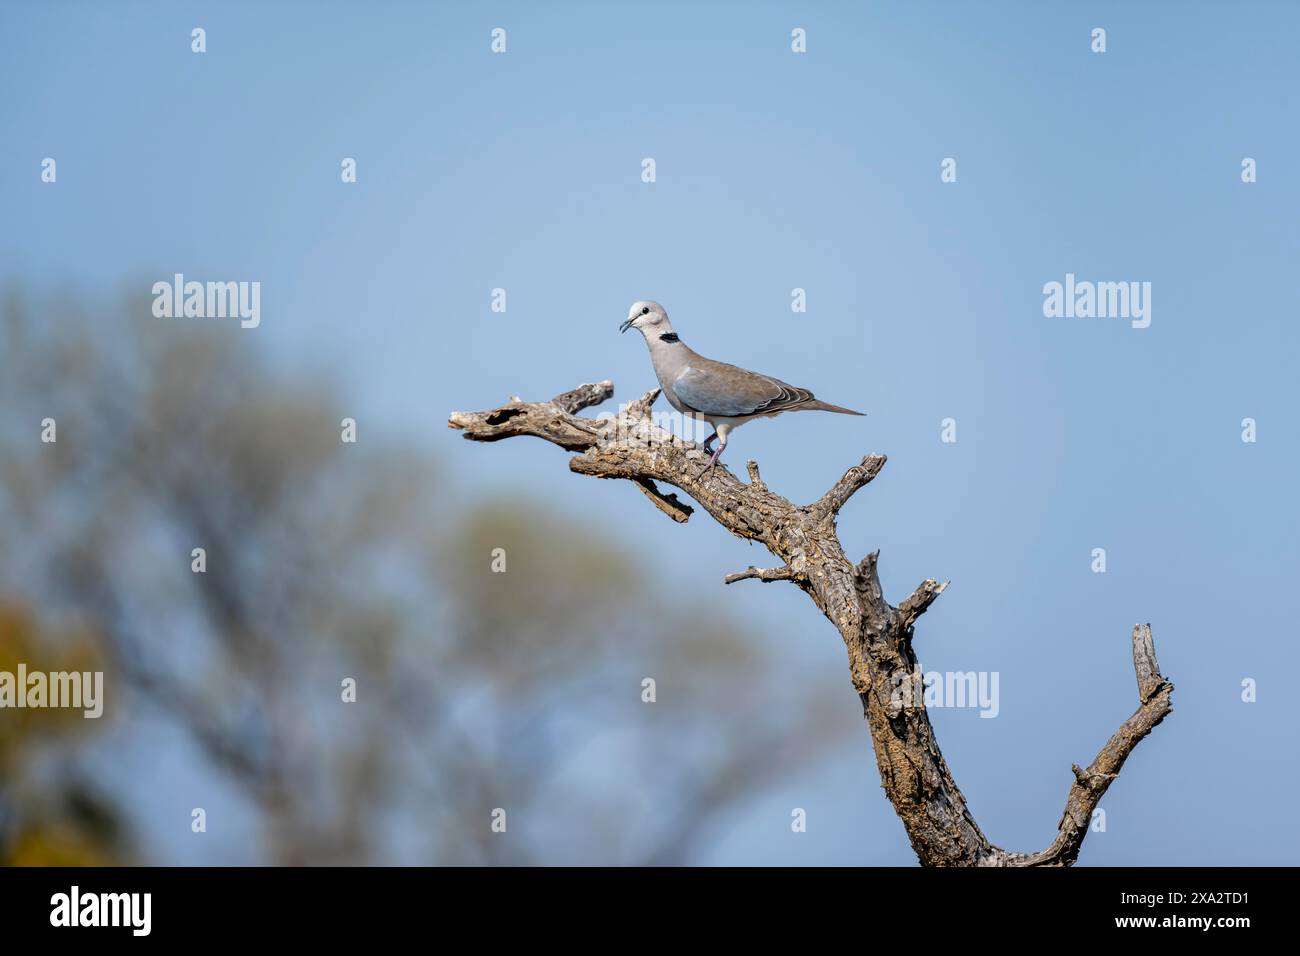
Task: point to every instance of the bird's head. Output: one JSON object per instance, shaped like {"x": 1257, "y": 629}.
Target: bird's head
{"x": 645, "y": 316}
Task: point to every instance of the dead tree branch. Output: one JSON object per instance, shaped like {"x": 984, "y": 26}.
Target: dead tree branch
{"x": 761, "y": 574}
{"x": 876, "y": 634}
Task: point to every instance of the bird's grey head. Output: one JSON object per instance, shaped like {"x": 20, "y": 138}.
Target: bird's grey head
{"x": 648, "y": 318}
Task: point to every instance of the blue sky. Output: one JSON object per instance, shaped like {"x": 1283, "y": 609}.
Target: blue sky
{"x": 776, "y": 171}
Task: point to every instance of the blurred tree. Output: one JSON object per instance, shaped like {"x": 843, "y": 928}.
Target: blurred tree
{"x": 326, "y": 561}
{"x": 49, "y": 815}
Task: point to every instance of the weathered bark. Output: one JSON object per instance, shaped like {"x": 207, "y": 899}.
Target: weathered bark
{"x": 877, "y": 635}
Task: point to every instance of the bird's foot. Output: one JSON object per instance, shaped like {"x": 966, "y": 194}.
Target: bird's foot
{"x": 713, "y": 459}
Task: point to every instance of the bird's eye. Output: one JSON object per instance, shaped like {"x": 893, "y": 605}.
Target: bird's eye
{"x": 645, "y": 311}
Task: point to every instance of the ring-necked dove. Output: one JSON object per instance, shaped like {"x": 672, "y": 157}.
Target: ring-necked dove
{"x": 723, "y": 395}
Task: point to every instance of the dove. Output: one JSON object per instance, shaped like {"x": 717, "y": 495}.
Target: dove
{"x": 723, "y": 395}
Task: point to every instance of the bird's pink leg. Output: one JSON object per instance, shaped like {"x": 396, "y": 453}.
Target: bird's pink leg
{"x": 709, "y": 441}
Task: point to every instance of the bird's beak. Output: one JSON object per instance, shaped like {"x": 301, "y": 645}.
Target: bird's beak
{"x": 625, "y": 326}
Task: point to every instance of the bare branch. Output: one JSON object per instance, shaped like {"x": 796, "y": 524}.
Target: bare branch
{"x": 761, "y": 574}
{"x": 541, "y": 419}
{"x": 866, "y": 579}
{"x": 867, "y": 567}
{"x": 1091, "y": 784}
{"x": 854, "y": 479}
{"x": 668, "y": 504}
{"x": 641, "y": 407}
{"x": 1145, "y": 664}
{"x": 584, "y": 396}
{"x": 919, "y": 600}
{"x": 877, "y": 636}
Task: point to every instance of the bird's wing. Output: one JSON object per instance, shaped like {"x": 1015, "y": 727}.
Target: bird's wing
{"x": 715, "y": 388}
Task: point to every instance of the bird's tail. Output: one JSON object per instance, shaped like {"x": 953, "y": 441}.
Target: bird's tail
{"x": 819, "y": 406}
